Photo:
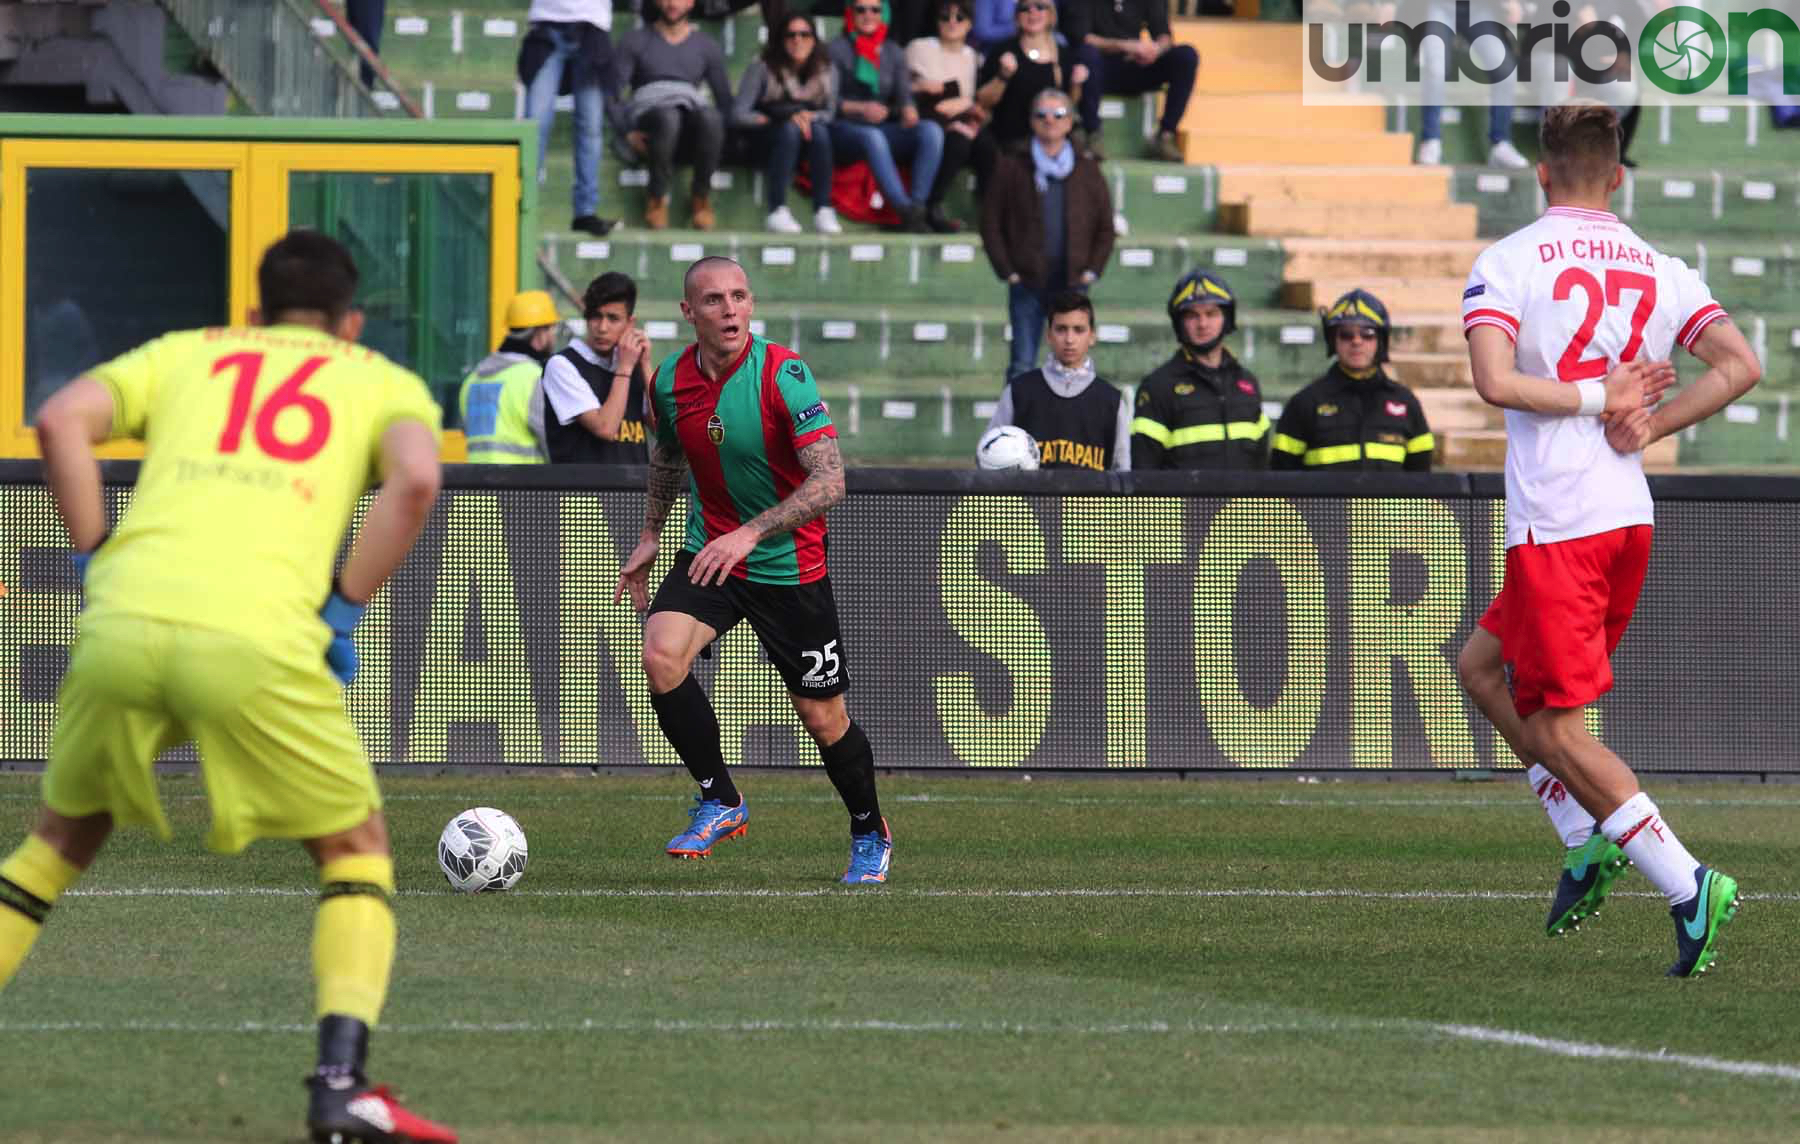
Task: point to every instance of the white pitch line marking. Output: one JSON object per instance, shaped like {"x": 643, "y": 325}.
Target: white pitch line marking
{"x": 1480, "y": 1034}
{"x": 1332, "y": 803}
{"x": 836, "y": 892}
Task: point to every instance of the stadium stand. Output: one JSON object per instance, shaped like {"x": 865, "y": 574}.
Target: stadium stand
{"x": 1292, "y": 204}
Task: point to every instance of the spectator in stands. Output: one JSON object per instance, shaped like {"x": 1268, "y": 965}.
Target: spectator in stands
{"x": 785, "y": 101}
{"x": 1489, "y": 52}
{"x": 943, "y": 84}
{"x": 568, "y": 46}
{"x": 367, "y": 17}
{"x": 1200, "y": 409}
{"x": 1109, "y": 36}
{"x": 993, "y": 24}
{"x": 669, "y": 66}
{"x": 502, "y": 415}
{"x": 1015, "y": 71}
{"x": 1047, "y": 223}
{"x": 593, "y": 391}
{"x": 877, "y": 122}
{"x": 1079, "y": 419}
{"x": 910, "y": 20}
{"x": 1355, "y": 416}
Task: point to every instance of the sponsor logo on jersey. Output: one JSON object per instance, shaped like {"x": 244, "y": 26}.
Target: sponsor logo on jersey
{"x": 1059, "y": 450}
{"x": 1143, "y": 397}
{"x": 715, "y": 429}
{"x": 816, "y": 409}
{"x": 1391, "y": 438}
{"x": 1327, "y": 410}
{"x": 1182, "y": 389}
{"x": 1396, "y": 408}
{"x": 1475, "y": 291}
{"x": 1247, "y": 386}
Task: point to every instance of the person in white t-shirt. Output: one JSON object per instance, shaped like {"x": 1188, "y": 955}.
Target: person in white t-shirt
{"x": 1570, "y": 321}
{"x": 592, "y": 393}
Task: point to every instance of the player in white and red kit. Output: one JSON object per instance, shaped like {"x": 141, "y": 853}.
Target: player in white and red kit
{"x": 1570, "y": 322}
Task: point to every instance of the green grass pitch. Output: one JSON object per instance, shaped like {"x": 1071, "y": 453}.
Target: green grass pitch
{"x": 1059, "y": 960}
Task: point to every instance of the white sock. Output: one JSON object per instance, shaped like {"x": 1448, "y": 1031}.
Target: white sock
{"x": 1639, "y": 830}
{"x": 1567, "y": 817}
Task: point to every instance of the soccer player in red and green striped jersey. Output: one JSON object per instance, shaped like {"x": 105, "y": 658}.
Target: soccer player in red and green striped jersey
{"x": 742, "y": 419}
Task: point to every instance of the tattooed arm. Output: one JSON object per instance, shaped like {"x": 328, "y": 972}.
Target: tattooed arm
{"x": 668, "y": 472}
{"x": 823, "y": 487}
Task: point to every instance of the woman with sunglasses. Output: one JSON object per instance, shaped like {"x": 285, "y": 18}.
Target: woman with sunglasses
{"x": 784, "y": 105}
{"x": 943, "y": 84}
{"x": 1015, "y": 72}
{"x": 876, "y": 120}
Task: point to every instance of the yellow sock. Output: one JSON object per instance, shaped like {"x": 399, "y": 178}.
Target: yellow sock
{"x": 30, "y": 882}
{"x": 353, "y": 936}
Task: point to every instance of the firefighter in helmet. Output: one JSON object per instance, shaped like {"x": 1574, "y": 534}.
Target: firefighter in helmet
{"x": 1355, "y": 416}
{"x": 1201, "y": 409}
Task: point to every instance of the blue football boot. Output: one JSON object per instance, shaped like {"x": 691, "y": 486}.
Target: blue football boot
{"x": 710, "y": 821}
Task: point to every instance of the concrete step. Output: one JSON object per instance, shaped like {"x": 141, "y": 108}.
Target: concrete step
{"x": 1448, "y": 410}
{"x": 1232, "y": 144}
{"x": 894, "y": 345}
{"x": 1388, "y": 186}
{"x": 1280, "y": 218}
{"x": 1411, "y": 295}
{"x": 1421, "y": 370}
{"x": 1463, "y": 449}
{"x": 1485, "y": 449}
{"x": 890, "y": 269}
{"x": 1276, "y": 112}
{"x": 1379, "y": 258}
{"x": 1152, "y": 198}
{"x": 1238, "y": 56}
{"x": 1427, "y": 333}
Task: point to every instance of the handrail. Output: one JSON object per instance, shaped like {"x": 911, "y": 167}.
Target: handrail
{"x": 269, "y": 55}
{"x": 334, "y": 13}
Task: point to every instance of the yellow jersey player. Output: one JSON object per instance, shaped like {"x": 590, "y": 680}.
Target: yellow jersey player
{"x": 211, "y": 615}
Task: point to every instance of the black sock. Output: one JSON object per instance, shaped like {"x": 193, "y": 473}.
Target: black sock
{"x": 343, "y": 1051}
{"x": 687, "y": 720}
{"x": 851, "y": 764}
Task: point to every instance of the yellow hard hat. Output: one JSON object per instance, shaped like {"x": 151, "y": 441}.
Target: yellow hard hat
{"x": 530, "y": 309}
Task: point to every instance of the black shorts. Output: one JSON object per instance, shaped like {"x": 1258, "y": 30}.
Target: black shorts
{"x": 797, "y": 624}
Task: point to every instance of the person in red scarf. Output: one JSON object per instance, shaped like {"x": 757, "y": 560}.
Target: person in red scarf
{"x": 877, "y": 122}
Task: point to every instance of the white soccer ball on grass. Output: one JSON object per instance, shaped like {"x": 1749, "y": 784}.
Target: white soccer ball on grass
{"x": 1006, "y": 447}
{"x": 482, "y": 849}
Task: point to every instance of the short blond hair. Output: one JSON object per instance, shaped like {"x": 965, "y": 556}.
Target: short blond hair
{"x": 1579, "y": 142}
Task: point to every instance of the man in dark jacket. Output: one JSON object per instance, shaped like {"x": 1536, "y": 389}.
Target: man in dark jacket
{"x": 1047, "y": 223}
{"x": 1200, "y": 409}
{"x": 1356, "y": 416}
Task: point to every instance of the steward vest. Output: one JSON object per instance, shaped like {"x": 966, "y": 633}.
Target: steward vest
{"x": 572, "y": 444}
{"x": 1077, "y": 432}
{"x": 496, "y": 411}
